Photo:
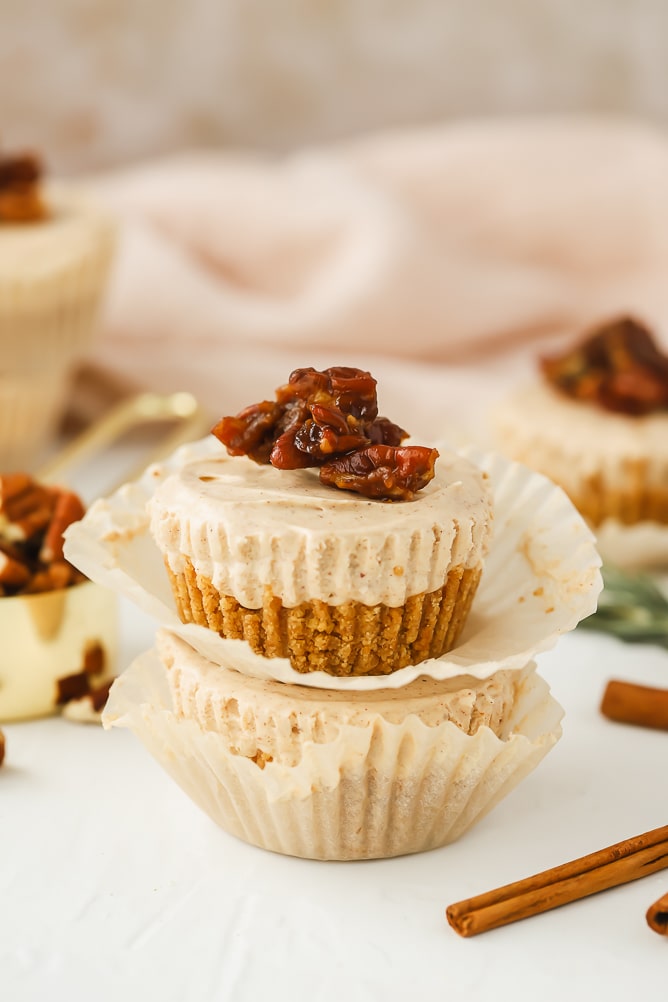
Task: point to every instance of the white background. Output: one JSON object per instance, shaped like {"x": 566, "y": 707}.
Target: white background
{"x": 113, "y": 885}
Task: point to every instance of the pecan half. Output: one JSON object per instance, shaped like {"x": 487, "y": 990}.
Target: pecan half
{"x": 384, "y": 472}
{"x": 618, "y": 367}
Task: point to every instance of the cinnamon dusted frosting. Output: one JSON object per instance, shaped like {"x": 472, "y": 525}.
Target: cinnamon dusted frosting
{"x": 251, "y": 528}
{"x": 571, "y": 441}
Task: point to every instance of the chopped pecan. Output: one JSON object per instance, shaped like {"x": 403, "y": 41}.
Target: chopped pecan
{"x": 251, "y": 432}
{"x": 53, "y": 577}
{"x": 618, "y": 367}
{"x": 81, "y": 697}
{"x": 11, "y": 485}
{"x": 88, "y": 708}
{"x": 72, "y": 687}
{"x": 13, "y": 573}
{"x": 26, "y": 513}
{"x": 316, "y": 417}
{"x": 384, "y": 472}
{"x": 68, "y": 508}
{"x": 2, "y": 747}
{"x": 95, "y": 659}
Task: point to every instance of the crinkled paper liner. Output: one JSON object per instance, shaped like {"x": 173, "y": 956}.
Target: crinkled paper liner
{"x": 376, "y": 791}
{"x": 541, "y": 576}
{"x": 30, "y": 408}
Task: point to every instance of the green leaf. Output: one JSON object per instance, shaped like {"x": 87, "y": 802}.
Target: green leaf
{"x": 632, "y": 608}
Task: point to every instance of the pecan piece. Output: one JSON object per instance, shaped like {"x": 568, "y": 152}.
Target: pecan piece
{"x": 68, "y": 508}
{"x": 13, "y": 573}
{"x": 25, "y": 513}
{"x": 53, "y": 577}
{"x": 251, "y": 432}
{"x": 87, "y": 709}
{"x": 2, "y": 747}
{"x": 382, "y": 471}
{"x": 11, "y": 485}
{"x": 71, "y": 687}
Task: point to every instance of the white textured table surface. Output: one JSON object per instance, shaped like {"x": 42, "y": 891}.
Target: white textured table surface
{"x": 114, "y": 885}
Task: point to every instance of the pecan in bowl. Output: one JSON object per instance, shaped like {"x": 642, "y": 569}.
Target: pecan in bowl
{"x": 59, "y": 628}
{"x": 33, "y": 518}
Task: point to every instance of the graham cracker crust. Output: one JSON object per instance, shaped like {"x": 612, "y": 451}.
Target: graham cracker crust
{"x": 597, "y": 500}
{"x": 348, "y": 639}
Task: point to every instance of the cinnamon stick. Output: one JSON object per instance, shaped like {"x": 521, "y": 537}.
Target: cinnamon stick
{"x": 617, "y": 864}
{"x": 628, "y": 703}
{"x": 657, "y": 916}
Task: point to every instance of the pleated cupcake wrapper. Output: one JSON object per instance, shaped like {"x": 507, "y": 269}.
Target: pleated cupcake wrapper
{"x": 30, "y": 410}
{"x": 48, "y": 315}
{"x": 375, "y": 791}
{"x": 541, "y": 576}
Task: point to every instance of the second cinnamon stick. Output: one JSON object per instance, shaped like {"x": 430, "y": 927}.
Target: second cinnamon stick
{"x": 628, "y": 703}
{"x": 657, "y": 916}
{"x": 617, "y": 864}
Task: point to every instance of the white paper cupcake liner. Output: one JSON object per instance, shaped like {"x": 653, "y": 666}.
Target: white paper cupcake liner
{"x": 30, "y": 411}
{"x": 541, "y": 576}
{"x": 375, "y": 791}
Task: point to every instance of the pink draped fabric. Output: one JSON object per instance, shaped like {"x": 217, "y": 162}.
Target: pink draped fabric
{"x": 443, "y": 259}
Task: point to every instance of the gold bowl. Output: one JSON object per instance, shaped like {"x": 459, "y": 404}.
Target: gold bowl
{"x": 47, "y": 639}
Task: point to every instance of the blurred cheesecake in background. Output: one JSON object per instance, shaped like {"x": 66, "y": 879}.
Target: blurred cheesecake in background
{"x": 596, "y": 423}
{"x": 55, "y": 254}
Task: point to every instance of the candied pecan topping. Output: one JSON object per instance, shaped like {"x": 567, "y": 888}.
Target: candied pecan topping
{"x": 33, "y": 519}
{"x": 20, "y": 199}
{"x": 619, "y": 367}
{"x": 324, "y": 419}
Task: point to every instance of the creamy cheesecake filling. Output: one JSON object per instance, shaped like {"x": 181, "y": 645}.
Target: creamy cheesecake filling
{"x": 249, "y": 529}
